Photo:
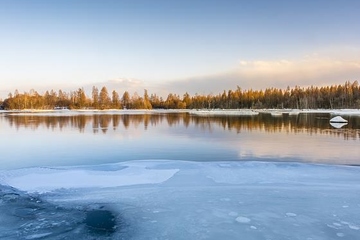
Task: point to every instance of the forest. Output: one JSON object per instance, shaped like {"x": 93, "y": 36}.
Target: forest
{"x": 345, "y": 95}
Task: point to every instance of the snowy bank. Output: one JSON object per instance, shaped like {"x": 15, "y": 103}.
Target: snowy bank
{"x": 343, "y": 112}
{"x": 88, "y": 112}
{"x": 223, "y": 112}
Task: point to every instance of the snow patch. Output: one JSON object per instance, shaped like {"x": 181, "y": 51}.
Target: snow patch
{"x": 39, "y": 235}
{"x": 45, "y": 179}
{"x": 353, "y": 227}
{"x": 242, "y": 219}
{"x": 233, "y": 214}
{"x": 289, "y": 214}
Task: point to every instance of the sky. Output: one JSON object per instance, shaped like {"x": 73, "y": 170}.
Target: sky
{"x": 183, "y": 46}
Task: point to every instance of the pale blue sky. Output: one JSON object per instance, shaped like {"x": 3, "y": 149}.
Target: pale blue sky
{"x": 189, "y": 45}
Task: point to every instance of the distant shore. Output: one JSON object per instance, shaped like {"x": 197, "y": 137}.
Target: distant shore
{"x": 197, "y": 112}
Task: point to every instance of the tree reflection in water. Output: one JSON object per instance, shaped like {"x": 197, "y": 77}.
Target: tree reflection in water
{"x": 100, "y": 123}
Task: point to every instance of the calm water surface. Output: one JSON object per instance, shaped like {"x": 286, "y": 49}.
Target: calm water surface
{"x": 67, "y": 139}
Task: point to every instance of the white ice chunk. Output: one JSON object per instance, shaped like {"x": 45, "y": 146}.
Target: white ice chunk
{"x": 338, "y": 125}
{"x": 338, "y": 119}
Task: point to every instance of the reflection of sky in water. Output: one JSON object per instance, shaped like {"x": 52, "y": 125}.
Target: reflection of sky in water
{"x": 77, "y": 140}
{"x": 319, "y": 148}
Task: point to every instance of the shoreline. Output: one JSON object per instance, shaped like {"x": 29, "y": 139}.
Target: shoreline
{"x": 197, "y": 112}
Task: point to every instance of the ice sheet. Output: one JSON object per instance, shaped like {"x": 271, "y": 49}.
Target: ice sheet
{"x": 189, "y": 200}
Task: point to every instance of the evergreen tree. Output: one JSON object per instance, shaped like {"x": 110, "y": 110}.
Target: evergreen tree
{"x": 95, "y": 97}
{"x": 125, "y": 100}
{"x": 115, "y": 100}
{"x": 147, "y": 104}
{"x": 81, "y": 98}
{"x": 104, "y": 99}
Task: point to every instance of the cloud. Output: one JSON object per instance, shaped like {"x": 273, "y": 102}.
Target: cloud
{"x": 298, "y": 70}
{"x": 301, "y": 72}
{"x": 258, "y": 74}
{"x": 120, "y": 84}
{"x": 261, "y": 74}
{"x": 127, "y": 84}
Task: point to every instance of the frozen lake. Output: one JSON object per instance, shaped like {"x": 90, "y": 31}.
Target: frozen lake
{"x": 165, "y": 175}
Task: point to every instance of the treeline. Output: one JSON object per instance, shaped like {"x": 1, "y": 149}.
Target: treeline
{"x": 335, "y": 96}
